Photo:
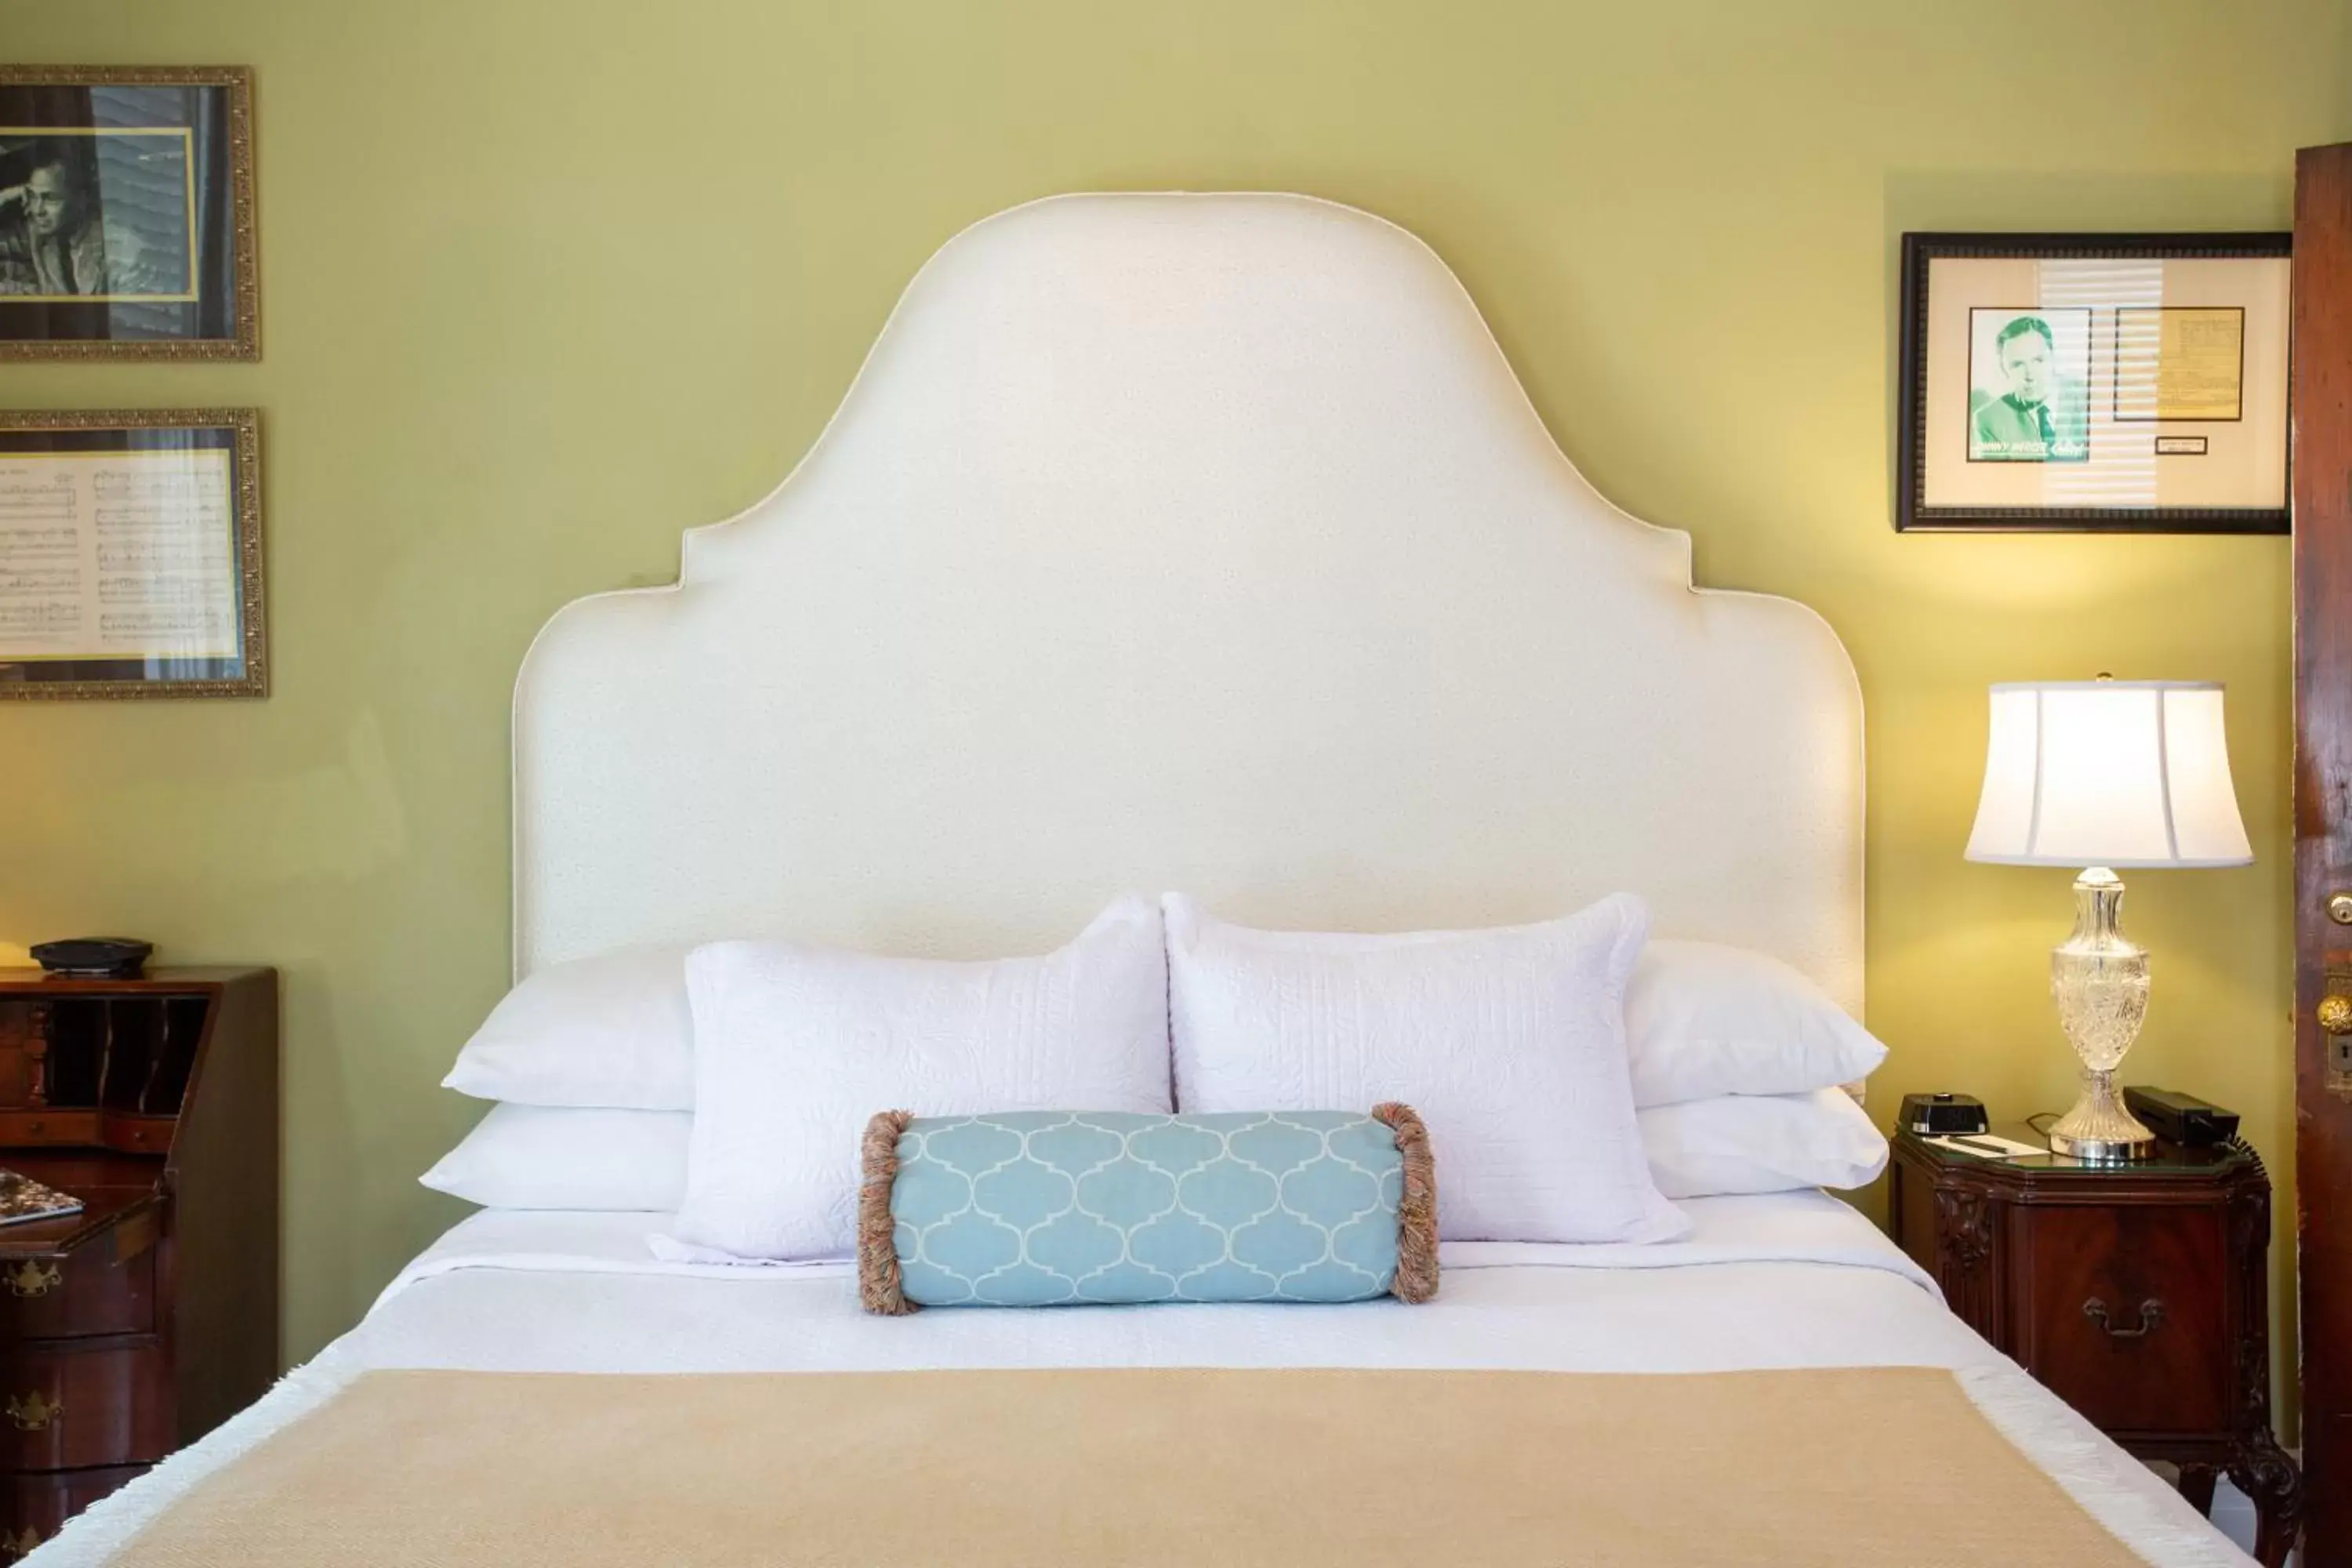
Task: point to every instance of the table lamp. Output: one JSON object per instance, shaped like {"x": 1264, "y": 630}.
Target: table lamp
{"x": 2102, "y": 773}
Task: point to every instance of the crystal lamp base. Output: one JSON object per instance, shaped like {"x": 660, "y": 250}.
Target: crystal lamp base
{"x": 2100, "y": 1129}
{"x": 2099, "y": 978}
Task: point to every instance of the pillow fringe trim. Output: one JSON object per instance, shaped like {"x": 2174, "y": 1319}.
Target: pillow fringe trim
{"x": 1416, "y": 1272}
{"x": 880, "y": 1288}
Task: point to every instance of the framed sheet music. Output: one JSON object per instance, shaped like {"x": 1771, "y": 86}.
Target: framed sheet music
{"x": 2095, "y": 383}
{"x": 130, "y": 554}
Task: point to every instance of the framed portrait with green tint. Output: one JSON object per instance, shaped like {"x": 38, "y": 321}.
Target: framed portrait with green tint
{"x": 126, "y": 213}
{"x": 2094, "y": 383}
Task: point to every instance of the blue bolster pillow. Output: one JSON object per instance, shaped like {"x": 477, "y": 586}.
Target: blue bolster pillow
{"x": 1037, "y": 1208}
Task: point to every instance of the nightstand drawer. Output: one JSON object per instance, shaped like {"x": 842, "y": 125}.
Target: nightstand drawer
{"x": 2123, "y": 1311}
{"x": 88, "y": 1292}
{"x": 63, "y": 1407}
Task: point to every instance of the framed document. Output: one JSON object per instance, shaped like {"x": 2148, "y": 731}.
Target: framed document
{"x": 2098, "y": 382}
{"x": 126, "y": 213}
{"x": 130, "y": 554}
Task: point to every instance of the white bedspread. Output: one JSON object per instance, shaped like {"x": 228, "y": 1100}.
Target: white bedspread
{"x": 1792, "y": 1280}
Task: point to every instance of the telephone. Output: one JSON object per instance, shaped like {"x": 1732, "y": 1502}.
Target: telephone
{"x": 98, "y": 957}
{"x": 2179, "y": 1117}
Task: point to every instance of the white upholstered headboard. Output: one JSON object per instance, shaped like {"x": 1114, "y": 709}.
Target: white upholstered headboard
{"x": 1199, "y": 541}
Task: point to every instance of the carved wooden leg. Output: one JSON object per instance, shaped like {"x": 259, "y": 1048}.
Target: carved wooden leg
{"x": 2197, "y": 1486}
{"x": 2263, "y": 1472}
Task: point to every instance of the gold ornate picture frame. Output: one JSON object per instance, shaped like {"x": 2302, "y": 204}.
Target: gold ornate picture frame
{"x": 130, "y": 554}
{"x": 127, "y": 226}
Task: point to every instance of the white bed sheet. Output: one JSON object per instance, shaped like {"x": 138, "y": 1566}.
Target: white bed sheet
{"x": 1781, "y": 1280}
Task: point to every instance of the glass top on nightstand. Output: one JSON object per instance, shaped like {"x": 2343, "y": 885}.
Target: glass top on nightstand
{"x": 2161, "y": 1159}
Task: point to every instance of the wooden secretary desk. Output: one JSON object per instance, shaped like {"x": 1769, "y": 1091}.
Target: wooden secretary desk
{"x": 146, "y": 1320}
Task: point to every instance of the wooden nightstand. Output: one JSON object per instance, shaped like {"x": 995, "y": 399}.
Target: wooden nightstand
{"x": 2137, "y": 1293}
{"x": 146, "y": 1320}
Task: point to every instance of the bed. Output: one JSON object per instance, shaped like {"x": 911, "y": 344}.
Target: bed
{"x": 1199, "y": 541}
{"x": 1785, "y": 1281}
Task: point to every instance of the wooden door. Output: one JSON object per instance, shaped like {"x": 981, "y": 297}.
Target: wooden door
{"x": 2323, "y": 832}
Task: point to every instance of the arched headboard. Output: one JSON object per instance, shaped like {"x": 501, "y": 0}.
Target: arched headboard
{"x": 1199, "y": 541}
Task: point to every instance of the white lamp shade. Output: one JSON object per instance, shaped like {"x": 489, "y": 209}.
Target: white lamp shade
{"x": 2108, "y": 773}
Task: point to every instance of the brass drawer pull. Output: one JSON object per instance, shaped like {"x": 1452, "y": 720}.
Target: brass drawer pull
{"x": 2151, "y": 1312}
{"x": 33, "y": 1412}
{"x": 33, "y": 1277}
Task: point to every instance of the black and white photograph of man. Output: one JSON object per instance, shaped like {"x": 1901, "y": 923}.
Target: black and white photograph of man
{"x": 2029, "y": 378}
{"x": 100, "y": 217}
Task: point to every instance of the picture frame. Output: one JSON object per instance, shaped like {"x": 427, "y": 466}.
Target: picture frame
{"x": 127, "y": 223}
{"x": 130, "y": 554}
{"x": 2094, "y": 383}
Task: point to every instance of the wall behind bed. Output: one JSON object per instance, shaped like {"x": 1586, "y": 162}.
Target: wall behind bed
{"x": 544, "y": 286}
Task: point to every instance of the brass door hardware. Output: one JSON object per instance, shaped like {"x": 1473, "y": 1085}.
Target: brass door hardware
{"x": 2333, "y": 1016}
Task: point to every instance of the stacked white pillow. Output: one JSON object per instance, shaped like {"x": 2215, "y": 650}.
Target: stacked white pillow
{"x": 1726, "y": 1064}
{"x": 1762, "y": 1143}
{"x": 591, "y": 1064}
{"x": 613, "y": 1032}
{"x": 787, "y": 1050}
{"x": 1704, "y": 1019}
{"x": 1738, "y": 1063}
{"x": 570, "y": 1157}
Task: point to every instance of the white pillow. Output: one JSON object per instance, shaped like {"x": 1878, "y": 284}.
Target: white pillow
{"x": 544, "y": 1157}
{"x": 796, "y": 1047}
{"x": 1759, "y": 1143}
{"x": 1703, "y": 1019}
{"x": 1510, "y": 1043}
{"x": 608, "y": 1031}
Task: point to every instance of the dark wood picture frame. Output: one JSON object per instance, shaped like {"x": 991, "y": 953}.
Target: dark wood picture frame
{"x": 219, "y": 316}
{"x": 237, "y": 431}
{"x": 1914, "y": 511}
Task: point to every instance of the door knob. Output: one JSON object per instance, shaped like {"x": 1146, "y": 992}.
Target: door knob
{"x": 2339, "y": 909}
{"x": 2334, "y": 1014}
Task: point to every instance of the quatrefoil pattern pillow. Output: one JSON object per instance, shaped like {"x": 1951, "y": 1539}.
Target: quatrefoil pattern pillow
{"x": 1068, "y": 1208}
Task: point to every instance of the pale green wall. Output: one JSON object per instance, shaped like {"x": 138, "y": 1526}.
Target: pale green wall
{"x": 543, "y": 285}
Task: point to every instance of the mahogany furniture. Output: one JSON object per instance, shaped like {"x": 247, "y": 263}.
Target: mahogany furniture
{"x": 145, "y": 1321}
{"x": 2322, "y": 416}
{"x": 2137, "y": 1293}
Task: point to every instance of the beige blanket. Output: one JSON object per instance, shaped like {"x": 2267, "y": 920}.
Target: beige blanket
{"x": 989, "y": 1469}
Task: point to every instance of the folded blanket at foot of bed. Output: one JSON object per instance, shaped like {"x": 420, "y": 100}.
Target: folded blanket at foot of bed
{"x": 988, "y": 1469}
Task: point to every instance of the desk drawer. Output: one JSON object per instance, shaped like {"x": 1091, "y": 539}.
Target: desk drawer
{"x": 35, "y": 1508}
{"x": 90, "y": 1291}
{"x": 2125, "y": 1314}
{"x": 125, "y": 1132}
{"x": 65, "y": 1406}
{"x": 48, "y": 1126}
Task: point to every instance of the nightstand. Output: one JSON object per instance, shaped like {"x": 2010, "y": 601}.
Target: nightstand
{"x": 146, "y": 1320}
{"x": 2138, "y": 1293}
